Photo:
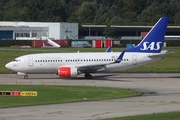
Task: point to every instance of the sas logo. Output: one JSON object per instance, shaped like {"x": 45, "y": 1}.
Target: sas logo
{"x": 114, "y": 57}
{"x": 151, "y": 46}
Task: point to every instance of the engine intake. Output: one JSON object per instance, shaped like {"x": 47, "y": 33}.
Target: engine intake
{"x": 67, "y": 72}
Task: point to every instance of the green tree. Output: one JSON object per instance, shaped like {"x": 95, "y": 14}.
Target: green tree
{"x": 109, "y": 31}
{"x": 147, "y": 14}
{"x": 1, "y": 15}
{"x": 3, "y": 4}
{"x": 46, "y": 10}
{"x": 101, "y": 15}
{"x": 86, "y": 12}
{"x": 177, "y": 18}
{"x": 33, "y": 9}
{"x": 90, "y": 11}
{"x": 14, "y": 10}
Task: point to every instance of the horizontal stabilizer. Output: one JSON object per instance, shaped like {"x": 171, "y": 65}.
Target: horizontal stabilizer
{"x": 164, "y": 52}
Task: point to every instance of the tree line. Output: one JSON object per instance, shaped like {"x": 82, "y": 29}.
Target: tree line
{"x": 107, "y": 12}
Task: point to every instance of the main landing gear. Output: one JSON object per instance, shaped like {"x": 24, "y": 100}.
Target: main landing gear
{"x": 88, "y": 75}
{"x": 26, "y": 76}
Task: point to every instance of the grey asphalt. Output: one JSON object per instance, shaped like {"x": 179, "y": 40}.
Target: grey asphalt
{"x": 161, "y": 94}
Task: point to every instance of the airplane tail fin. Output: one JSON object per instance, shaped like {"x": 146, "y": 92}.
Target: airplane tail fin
{"x": 109, "y": 49}
{"x": 153, "y": 41}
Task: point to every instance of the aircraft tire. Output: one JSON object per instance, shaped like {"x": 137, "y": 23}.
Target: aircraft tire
{"x": 26, "y": 77}
{"x": 88, "y": 76}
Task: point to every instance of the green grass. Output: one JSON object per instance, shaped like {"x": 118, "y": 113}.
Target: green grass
{"x": 159, "y": 116}
{"x": 60, "y": 94}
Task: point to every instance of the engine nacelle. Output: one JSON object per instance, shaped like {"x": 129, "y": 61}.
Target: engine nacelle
{"x": 67, "y": 72}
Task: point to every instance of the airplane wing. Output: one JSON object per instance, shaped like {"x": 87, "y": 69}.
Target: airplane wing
{"x": 96, "y": 67}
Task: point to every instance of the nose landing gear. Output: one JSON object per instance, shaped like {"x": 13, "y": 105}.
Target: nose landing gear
{"x": 26, "y": 76}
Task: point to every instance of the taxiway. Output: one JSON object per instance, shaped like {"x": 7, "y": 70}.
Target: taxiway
{"x": 161, "y": 94}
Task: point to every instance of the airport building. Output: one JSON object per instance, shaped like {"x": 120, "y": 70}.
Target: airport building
{"x": 63, "y": 30}
{"x": 125, "y": 32}
{"x": 87, "y": 36}
{"x": 35, "y": 30}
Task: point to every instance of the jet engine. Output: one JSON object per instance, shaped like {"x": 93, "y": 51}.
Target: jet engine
{"x": 67, "y": 72}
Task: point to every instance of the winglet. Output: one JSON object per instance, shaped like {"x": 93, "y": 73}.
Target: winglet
{"x": 119, "y": 59}
{"x": 108, "y": 49}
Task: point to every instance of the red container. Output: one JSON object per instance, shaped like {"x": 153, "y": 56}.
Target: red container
{"x": 107, "y": 43}
{"x": 37, "y": 43}
{"x": 98, "y": 44}
{"x": 62, "y": 43}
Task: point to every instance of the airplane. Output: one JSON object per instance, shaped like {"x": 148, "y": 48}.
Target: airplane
{"x": 73, "y": 64}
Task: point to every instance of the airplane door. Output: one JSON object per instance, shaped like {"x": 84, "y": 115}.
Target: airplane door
{"x": 30, "y": 61}
{"x": 134, "y": 59}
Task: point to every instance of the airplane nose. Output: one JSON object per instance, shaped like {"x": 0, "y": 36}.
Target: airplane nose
{"x": 8, "y": 65}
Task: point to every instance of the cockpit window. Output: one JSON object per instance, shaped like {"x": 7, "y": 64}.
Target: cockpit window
{"x": 16, "y": 60}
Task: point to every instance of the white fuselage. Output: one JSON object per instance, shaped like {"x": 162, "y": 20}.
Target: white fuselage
{"x": 50, "y": 62}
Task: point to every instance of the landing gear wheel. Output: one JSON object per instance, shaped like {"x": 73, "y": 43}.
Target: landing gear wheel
{"x": 26, "y": 77}
{"x": 88, "y": 76}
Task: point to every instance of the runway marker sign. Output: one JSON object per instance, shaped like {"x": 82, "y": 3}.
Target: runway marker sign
{"x": 28, "y": 93}
{"x": 15, "y": 93}
{"x": 18, "y": 93}
{"x": 5, "y": 93}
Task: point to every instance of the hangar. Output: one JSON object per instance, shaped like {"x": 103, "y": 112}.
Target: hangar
{"x": 35, "y": 30}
